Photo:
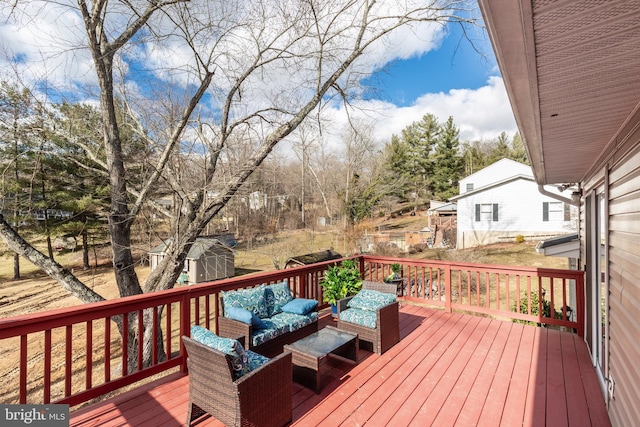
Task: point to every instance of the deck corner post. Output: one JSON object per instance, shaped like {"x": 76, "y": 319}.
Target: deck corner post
{"x": 447, "y": 289}
{"x": 185, "y": 327}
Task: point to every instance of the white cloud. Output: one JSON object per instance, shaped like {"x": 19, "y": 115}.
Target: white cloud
{"x": 48, "y": 39}
{"x": 481, "y": 113}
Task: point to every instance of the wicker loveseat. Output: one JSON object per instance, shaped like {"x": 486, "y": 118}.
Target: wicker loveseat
{"x": 259, "y": 397}
{"x": 267, "y": 316}
{"x": 376, "y": 319}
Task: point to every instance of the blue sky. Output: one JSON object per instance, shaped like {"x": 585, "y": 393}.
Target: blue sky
{"x": 453, "y": 79}
{"x": 456, "y": 64}
{"x": 450, "y": 80}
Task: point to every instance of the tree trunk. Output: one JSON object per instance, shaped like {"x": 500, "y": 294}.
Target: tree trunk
{"x": 16, "y": 267}
{"x": 133, "y": 362}
{"x": 68, "y": 281}
{"x": 85, "y": 249}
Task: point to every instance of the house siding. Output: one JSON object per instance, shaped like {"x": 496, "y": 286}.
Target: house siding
{"x": 487, "y": 176}
{"x": 510, "y": 217}
{"x": 624, "y": 287}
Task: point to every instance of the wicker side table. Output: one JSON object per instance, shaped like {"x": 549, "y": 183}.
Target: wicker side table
{"x": 310, "y": 354}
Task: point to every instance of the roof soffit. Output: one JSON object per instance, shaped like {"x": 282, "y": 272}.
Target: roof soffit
{"x": 581, "y": 60}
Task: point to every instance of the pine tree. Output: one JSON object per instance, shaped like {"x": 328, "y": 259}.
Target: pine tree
{"x": 500, "y": 150}
{"x": 448, "y": 163}
{"x": 518, "y": 151}
{"x": 411, "y": 161}
{"x": 17, "y": 160}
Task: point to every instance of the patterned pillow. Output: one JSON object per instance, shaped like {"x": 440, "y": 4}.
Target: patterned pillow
{"x": 252, "y": 299}
{"x": 225, "y": 345}
{"x": 255, "y": 360}
{"x": 277, "y": 295}
{"x": 371, "y": 300}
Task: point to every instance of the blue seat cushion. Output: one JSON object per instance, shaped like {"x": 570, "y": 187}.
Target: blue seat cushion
{"x": 292, "y": 322}
{"x": 228, "y": 346}
{"x": 361, "y": 317}
{"x": 371, "y": 300}
{"x": 271, "y": 331}
{"x": 254, "y": 361}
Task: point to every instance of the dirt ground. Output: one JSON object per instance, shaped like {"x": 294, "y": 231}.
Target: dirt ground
{"x": 38, "y": 292}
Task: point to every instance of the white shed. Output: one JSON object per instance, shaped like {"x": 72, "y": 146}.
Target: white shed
{"x": 208, "y": 259}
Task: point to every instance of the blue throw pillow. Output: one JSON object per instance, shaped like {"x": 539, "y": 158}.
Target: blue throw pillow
{"x": 300, "y": 306}
{"x": 245, "y": 316}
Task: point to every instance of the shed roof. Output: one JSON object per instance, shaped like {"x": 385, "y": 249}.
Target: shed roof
{"x": 313, "y": 257}
{"x": 561, "y": 246}
{"x": 447, "y": 207}
{"x": 199, "y": 247}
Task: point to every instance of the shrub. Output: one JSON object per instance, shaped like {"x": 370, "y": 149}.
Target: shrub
{"x": 519, "y": 238}
{"x": 535, "y": 308}
{"x": 341, "y": 281}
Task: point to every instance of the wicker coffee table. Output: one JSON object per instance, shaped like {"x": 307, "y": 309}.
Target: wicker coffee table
{"x": 310, "y": 354}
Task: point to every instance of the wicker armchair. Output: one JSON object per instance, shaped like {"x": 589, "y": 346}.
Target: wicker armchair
{"x": 387, "y": 331}
{"x": 259, "y": 398}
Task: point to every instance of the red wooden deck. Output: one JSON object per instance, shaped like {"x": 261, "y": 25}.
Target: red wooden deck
{"x": 449, "y": 369}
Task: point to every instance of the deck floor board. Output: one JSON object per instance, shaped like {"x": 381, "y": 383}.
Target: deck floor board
{"x": 447, "y": 370}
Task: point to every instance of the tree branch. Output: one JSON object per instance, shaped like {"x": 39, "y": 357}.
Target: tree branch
{"x": 63, "y": 276}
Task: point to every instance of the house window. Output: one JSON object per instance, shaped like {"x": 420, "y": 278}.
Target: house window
{"x": 555, "y": 211}
{"x": 486, "y": 212}
{"x": 470, "y": 186}
{"x": 185, "y": 268}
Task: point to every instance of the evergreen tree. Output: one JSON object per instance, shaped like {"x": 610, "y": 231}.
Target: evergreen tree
{"x": 361, "y": 203}
{"x": 448, "y": 163}
{"x": 411, "y": 161}
{"x": 17, "y": 160}
{"x": 518, "y": 152}
{"x": 79, "y": 185}
{"x": 500, "y": 149}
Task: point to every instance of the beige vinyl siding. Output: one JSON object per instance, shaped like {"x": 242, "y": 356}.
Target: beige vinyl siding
{"x": 624, "y": 288}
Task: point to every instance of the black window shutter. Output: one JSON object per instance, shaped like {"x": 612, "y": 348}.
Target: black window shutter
{"x": 495, "y": 212}
{"x": 477, "y": 212}
{"x": 545, "y": 211}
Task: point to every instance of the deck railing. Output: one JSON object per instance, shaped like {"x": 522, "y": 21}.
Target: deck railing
{"x": 75, "y": 354}
{"x": 526, "y": 294}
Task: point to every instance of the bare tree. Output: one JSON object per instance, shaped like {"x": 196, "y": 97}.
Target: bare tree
{"x": 224, "y": 72}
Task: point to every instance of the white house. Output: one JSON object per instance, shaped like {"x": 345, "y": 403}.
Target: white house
{"x": 503, "y": 201}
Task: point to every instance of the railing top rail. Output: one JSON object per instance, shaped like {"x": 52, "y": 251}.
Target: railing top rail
{"x": 35, "y": 322}
{"x": 538, "y": 271}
